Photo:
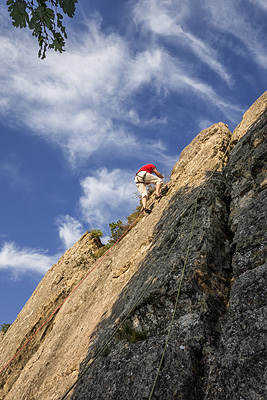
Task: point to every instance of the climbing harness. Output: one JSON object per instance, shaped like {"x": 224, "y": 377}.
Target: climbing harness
{"x": 140, "y": 177}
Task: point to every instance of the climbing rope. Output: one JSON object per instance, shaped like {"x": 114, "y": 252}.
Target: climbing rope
{"x": 119, "y": 326}
{"x": 54, "y": 312}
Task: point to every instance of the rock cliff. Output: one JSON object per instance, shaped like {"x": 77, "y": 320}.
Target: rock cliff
{"x": 216, "y": 348}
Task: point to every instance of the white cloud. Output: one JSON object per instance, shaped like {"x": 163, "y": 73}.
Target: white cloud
{"x": 231, "y": 17}
{"x": 20, "y": 260}
{"x": 165, "y": 18}
{"x": 70, "y": 230}
{"x": 107, "y": 196}
{"x": 83, "y": 100}
{"x": 71, "y": 99}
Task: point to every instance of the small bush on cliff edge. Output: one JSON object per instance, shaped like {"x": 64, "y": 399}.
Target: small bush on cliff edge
{"x": 117, "y": 229}
{"x": 96, "y": 233}
{"x": 4, "y": 328}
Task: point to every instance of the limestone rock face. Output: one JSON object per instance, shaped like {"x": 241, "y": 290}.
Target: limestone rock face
{"x": 57, "y": 284}
{"x": 209, "y": 145}
{"x": 250, "y": 116}
{"x": 207, "y": 236}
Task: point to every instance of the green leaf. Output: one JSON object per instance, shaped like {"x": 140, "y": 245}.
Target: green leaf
{"x": 35, "y": 24}
{"x": 57, "y": 43}
{"x": 68, "y": 6}
{"x": 47, "y": 18}
{"x": 18, "y": 13}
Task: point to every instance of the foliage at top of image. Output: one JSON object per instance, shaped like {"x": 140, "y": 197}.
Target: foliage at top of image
{"x": 44, "y": 20}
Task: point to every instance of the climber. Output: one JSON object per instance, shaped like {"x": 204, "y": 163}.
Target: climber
{"x": 144, "y": 177}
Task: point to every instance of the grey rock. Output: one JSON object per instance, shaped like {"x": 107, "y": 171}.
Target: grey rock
{"x": 239, "y": 370}
{"x": 206, "y": 240}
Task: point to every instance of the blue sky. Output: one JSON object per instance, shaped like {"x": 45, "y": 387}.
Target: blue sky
{"x": 137, "y": 82}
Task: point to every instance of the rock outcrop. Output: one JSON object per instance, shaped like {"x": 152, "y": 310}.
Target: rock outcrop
{"x": 216, "y": 348}
{"x": 250, "y": 116}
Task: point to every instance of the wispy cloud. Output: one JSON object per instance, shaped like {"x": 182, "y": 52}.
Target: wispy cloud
{"x": 69, "y": 229}
{"x": 107, "y": 196}
{"x": 169, "y": 75}
{"x": 232, "y": 18}
{"x": 80, "y": 100}
{"x": 19, "y": 260}
{"x": 84, "y": 100}
{"x": 167, "y": 19}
